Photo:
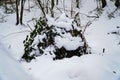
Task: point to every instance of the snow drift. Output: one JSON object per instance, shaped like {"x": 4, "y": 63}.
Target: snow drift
{"x": 10, "y": 69}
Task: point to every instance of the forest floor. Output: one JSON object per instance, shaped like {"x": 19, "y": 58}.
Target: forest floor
{"x": 102, "y": 64}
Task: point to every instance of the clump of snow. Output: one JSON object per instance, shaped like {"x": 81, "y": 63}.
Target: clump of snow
{"x": 62, "y": 22}
{"x": 63, "y": 18}
{"x": 65, "y": 25}
{"x": 68, "y": 44}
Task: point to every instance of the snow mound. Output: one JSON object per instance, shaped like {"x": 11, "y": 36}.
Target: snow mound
{"x": 87, "y": 67}
{"x": 68, "y": 44}
{"x": 10, "y": 69}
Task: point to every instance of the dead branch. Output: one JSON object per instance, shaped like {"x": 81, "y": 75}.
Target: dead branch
{"x": 87, "y": 25}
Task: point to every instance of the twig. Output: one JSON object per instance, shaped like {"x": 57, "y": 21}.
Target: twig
{"x": 96, "y": 16}
{"x": 29, "y": 27}
{"x": 33, "y": 19}
{"x": 88, "y": 24}
{"x": 112, "y": 13}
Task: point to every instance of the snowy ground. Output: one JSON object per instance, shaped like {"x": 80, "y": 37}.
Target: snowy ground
{"x": 10, "y": 69}
{"x": 96, "y": 66}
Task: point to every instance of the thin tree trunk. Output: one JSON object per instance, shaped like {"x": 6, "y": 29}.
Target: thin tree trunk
{"x": 117, "y": 3}
{"x": 29, "y": 5}
{"x": 17, "y": 13}
{"x": 77, "y": 3}
{"x": 52, "y": 6}
{"x": 77, "y": 19}
{"x": 6, "y": 8}
{"x": 56, "y": 2}
{"x": 47, "y": 6}
{"x": 42, "y": 8}
{"x": 104, "y": 3}
{"x": 21, "y": 13}
{"x": 71, "y": 8}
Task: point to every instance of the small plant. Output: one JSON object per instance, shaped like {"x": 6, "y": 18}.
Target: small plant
{"x": 58, "y": 41}
{"x": 29, "y": 50}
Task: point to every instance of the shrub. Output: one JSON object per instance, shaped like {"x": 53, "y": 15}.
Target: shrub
{"x": 60, "y": 38}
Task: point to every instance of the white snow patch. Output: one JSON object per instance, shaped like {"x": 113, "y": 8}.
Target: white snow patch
{"x": 68, "y": 44}
{"x": 10, "y": 69}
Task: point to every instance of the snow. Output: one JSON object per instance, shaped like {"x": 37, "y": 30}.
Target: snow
{"x": 67, "y": 26}
{"x": 62, "y": 22}
{"x": 100, "y": 68}
{"x": 95, "y": 66}
{"x": 10, "y": 69}
{"x": 68, "y": 44}
{"x": 63, "y": 18}
{"x": 98, "y": 38}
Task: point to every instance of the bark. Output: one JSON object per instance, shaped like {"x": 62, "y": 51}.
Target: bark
{"x": 77, "y": 3}
{"x": 17, "y": 13}
{"x": 42, "y": 8}
{"x": 71, "y": 8}
{"x": 77, "y": 19}
{"x": 104, "y": 3}
{"x": 56, "y": 2}
{"x": 52, "y": 6}
{"x": 21, "y": 13}
{"x": 117, "y": 3}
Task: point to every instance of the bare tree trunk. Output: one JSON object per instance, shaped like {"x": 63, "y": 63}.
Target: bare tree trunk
{"x": 117, "y": 3}
{"x": 11, "y": 2}
{"x": 52, "y": 6}
{"x": 29, "y": 5}
{"x": 42, "y": 8}
{"x": 6, "y": 8}
{"x": 77, "y": 3}
{"x": 104, "y": 3}
{"x": 21, "y": 13}
{"x": 77, "y": 19}
{"x": 17, "y": 13}
{"x": 47, "y": 6}
{"x": 56, "y": 2}
{"x": 71, "y": 8}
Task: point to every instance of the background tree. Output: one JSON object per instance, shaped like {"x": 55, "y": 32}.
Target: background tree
{"x": 117, "y": 3}
{"x": 57, "y": 2}
{"x": 41, "y": 7}
{"x": 77, "y": 3}
{"x": 17, "y": 13}
{"x": 21, "y": 13}
{"x": 52, "y": 7}
{"x": 19, "y": 19}
{"x": 104, "y": 3}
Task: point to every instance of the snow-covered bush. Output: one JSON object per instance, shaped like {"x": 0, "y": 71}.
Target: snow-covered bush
{"x": 60, "y": 38}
